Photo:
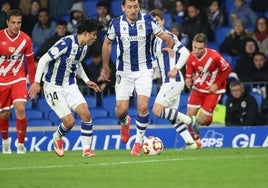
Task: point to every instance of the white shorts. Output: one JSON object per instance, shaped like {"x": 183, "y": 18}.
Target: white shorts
{"x": 127, "y": 81}
{"x": 169, "y": 94}
{"x": 63, "y": 99}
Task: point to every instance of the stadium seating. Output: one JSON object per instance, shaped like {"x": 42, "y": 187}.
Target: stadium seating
{"x": 160, "y": 121}
{"x": 52, "y": 116}
{"x": 221, "y": 33}
{"x": 98, "y": 112}
{"x": 183, "y": 99}
{"x": 105, "y": 121}
{"x": 40, "y": 122}
{"x": 168, "y": 20}
{"x": 90, "y": 8}
{"x": 91, "y": 101}
{"x": 115, "y": 7}
{"x": 258, "y": 97}
{"x": 43, "y": 106}
{"x": 108, "y": 103}
{"x": 33, "y": 114}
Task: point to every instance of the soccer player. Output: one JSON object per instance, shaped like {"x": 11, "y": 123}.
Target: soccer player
{"x": 60, "y": 66}
{"x": 168, "y": 97}
{"x": 133, "y": 33}
{"x": 206, "y": 74}
{"x": 15, "y": 45}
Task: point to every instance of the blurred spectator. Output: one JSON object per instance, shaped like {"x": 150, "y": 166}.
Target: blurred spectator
{"x": 260, "y": 34}
{"x": 215, "y": 15}
{"x": 103, "y": 14}
{"x": 25, "y": 5}
{"x": 30, "y": 19}
{"x": 245, "y": 63}
{"x": 180, "y": 12}
{"x": 243, "y": 12}
{"x": 59, "y": 8}
{"x": 241, "y": 108}
{"x": 61, "y": 31}
{"x": 94, "y": 72}
{"x": 5, "y": 7}
{"x": 76, "y": 13}
{"x": 259, "y": 6}
{"x": 195, "y": 22}
{"x": 175, "y": 29}
{"x": 43, "y": 29}
{"x": 260, "y": 73}
{"x": 234, "y": 43}
{"x": 260, "y": 70}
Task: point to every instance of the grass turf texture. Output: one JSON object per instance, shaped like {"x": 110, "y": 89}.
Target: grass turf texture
{"x": 225, "y": 167}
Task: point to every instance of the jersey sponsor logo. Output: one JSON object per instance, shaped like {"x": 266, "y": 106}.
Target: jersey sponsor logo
{"x": 132, "y": 38}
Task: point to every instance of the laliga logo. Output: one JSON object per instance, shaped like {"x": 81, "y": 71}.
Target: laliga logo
{"x": 212, "y": 139}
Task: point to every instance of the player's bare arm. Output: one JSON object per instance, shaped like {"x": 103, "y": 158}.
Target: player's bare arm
{"x": 93, "y": 85}
{"x": 34, "y": 89}
{"x": 173, "y": 72}
{"x": 106, "y": 52}
{"x": 213, "y": 88}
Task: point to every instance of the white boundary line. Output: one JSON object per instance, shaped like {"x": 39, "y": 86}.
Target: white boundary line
{"x": 130, "y": 162}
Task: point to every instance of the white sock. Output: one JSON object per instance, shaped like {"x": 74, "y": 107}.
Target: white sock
{"x": 86, "y": 142}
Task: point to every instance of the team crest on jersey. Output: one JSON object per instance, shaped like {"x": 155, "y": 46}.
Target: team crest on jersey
{"x": 200, "y": 68}
{"x": 11, "y": 49}
{"x": 140, "y": 27}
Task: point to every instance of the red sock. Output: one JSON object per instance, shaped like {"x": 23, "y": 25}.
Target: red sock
{"x": 21, "y": 129}
{"x": 4, "y": 128}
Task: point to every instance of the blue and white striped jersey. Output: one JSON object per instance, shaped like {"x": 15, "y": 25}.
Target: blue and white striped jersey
{"x": 134, "y": 42}
{"x": 165, "y": 62}
{"x": 64, "y": 61}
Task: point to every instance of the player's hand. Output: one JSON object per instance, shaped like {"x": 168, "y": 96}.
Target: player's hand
{"x": 94, "y": 86}
{"x": 169, "y": 51}
{"x": 106, "y": 73}
{"x": 173, "y": 73}
{"x": 213, "y": 88}
{"x": 34, "y": 89}
{"x": 188, "y": 83}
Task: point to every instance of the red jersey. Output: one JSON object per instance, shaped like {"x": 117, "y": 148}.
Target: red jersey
{"x": 12, "y": 52}
{"x": 210, "y": 69}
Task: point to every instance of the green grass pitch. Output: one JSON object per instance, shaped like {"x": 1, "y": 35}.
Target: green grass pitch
{"x": 204, "y": 168}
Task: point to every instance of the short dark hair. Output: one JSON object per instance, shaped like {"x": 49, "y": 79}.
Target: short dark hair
{"x": 88, "y": 25}
{"x": 61, "y": 22}
{"x": 124, "y": 1}
{"x": 157, "y": 12}
{"x": 237, "y": 83}
{"x": 14, "y": 12}
{"x": 200, "y": 38}
{"x": 102, "y": 4}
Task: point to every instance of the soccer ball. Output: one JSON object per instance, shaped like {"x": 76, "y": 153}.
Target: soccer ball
{"x": 153, "y": 146}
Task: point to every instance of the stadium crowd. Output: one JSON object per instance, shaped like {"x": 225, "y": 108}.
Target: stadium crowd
{"x": 237, "y": 28}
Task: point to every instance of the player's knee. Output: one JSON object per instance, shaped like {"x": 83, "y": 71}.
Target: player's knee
{"x": 204, "y": 121}
{"x": 5, "y": 115}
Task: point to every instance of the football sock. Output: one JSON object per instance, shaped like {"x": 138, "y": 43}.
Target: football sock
{"x": 86, "y": 132}
{"x": 62, "y": 130}
{"x": 141, "y": 125}
{"x": 4, "y": 128}
{"x": 21, "y": 125}
{"x": 181, "y": 128}
{"x": 123, "y": 119}
{"x": 175, "y": 116}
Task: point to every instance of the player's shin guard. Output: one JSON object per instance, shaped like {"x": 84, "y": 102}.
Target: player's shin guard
{"x": 4, "y": 124}
{"x": 86, "y": 132}
{"x": 141, "y": 125}
{"x": 21, "y": 129}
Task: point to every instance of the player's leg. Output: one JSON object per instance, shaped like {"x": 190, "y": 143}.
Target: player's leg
{"x": 124, "y": 88}
{"x": 57, "y": 102}
{"x": 19, "y": 93}
{"x": 78, "y": 104}
{"x": 143, "y": 85}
